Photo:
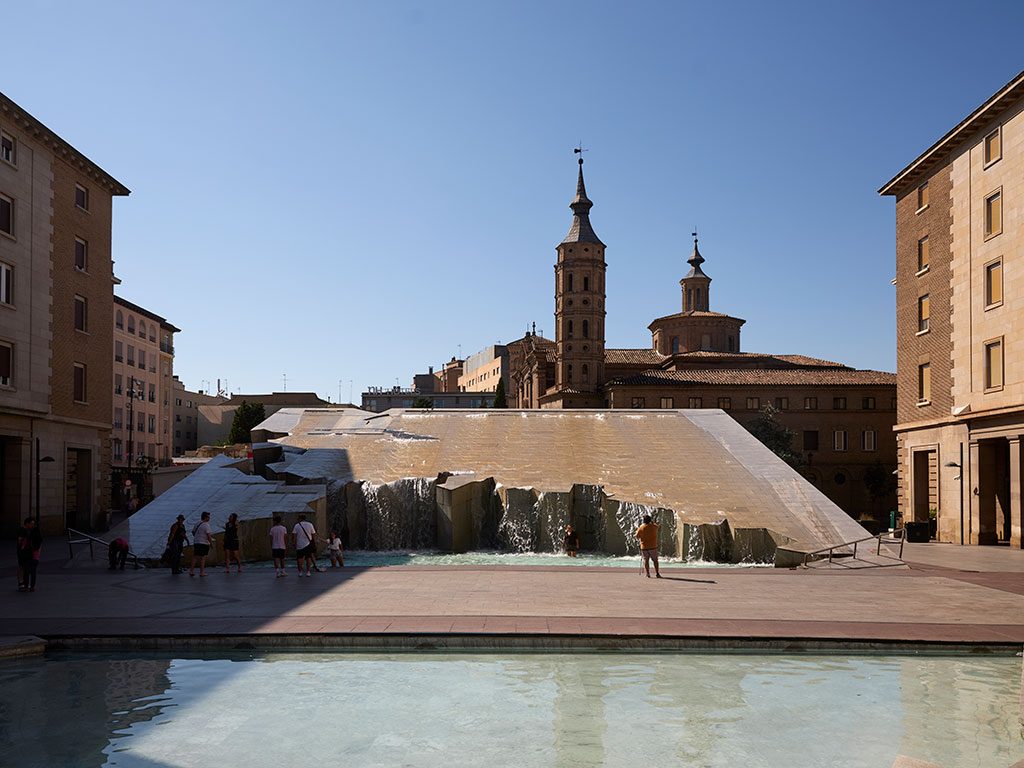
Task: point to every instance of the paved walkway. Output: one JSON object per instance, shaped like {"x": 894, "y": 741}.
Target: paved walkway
{"x": 925, "y": 603}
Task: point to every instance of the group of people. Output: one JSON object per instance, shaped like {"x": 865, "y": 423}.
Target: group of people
{"x": 647, "y": 534}
{"x": 303, "y": 534}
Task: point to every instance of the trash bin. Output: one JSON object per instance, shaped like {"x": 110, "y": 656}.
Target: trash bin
{"x": 918, "y": 532}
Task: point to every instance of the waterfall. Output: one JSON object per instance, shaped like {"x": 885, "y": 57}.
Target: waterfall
{"x": 554, "y": 513}
{"x": 518, "y": 530}
{"x": 401, "y": 514}
{"x": 629, "y": 516}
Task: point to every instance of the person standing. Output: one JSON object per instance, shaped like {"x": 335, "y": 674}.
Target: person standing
{"x": 30, "y": 544}
{"x": 176, "y": 541}
{"x": 303, "y": 533}
{"x": 202, "y": 540}
{"x": 278, "y": 537}
{"x": 648, "y": 536}
{"x": 334, "y": 550}
{"x": 231, "y": 545}
{"x": 571, "y": 541}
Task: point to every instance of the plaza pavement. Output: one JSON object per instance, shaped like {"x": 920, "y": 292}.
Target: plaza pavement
{"x": 949, "y": 595}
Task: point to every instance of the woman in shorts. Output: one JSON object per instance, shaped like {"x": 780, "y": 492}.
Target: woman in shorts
{"x": 231, "y": 545}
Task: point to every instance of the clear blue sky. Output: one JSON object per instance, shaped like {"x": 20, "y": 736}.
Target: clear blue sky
{"x": 353, "y": 190}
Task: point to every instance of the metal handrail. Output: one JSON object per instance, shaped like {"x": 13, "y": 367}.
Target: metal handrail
{"x": 87, "y": 538}
{"x": 898, "y": 534}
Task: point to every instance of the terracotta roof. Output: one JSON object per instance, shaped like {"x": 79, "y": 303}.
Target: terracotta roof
{"x": 291, "y": 399}
{"x": 646, "y": 356}
{"x": 759, "y": 377}
{"x": 695, "y": 313}
{"x": 816, "y": 362}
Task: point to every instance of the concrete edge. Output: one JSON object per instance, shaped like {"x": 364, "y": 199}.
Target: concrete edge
{"x": 522, "y": 642}
{"x": 20, "y": 646}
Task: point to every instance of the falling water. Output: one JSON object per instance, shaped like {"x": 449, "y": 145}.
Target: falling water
{"x": 629, "y": 516}
{"x": 401, "y": 514}
{"x": 553, "y": 512}
{"x": 518, "y": 530}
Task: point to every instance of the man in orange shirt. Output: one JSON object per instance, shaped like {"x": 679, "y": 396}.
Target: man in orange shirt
{"x": 648, "y": 535}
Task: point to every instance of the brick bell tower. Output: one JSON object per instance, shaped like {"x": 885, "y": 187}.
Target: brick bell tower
{"x": 579, "y": 307}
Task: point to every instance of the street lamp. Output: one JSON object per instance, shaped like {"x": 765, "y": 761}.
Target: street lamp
{"x": 39, "y": 460}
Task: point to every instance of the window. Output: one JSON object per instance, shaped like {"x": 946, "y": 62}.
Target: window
{"x": 6, "y": 284}
{"x": 810, "y": 403}
{"x": 870, "y": 438}
{"x": 131, "y": 324}
{"x": 569, "y": 330}
{"x": 80, "y": 312}
{"x": 637, "y": 402}
{"x": 725, "y": 403}
{"x": 924, "y": 383}
{"x": 118, "y": 351}
{"x": 6, "y": 215}
{"x": 993, "y": 147}
{"x": 782, "y": 403}
{"x": 177, "y": 401}
{"x": 868, "y": 403}
{"x": 732, "y": 344}
{"x": 586, "y": 283}
{"x": 839, "y": 440}
{"x": 694, "y": 402}
{"x": 141, "y": 423}
{"x": 152, "y": 393}
{"x": 6, "y": 364}
{"x": 810, "y": 439}
{"x": 922, "y": 196}
{"x": 705, "y": 341}
{"x": 152, "y": 333}
{"x": 753, "y": 403}
{"x": 79, "y": 385}
{"x": 152, "y": 425}
{"x": 177, "y": 433}
{"x": 118, "y": 418}
{"x": 119, "y": 321}
{"x": 586, "y": 329}
{"x": 8, "y": 148}
{"x": 142, "y": 359}
{"x": 118, "y": 450}
{"x": 118, "y": 384}
{"x": 142, "y": 329}
{"x": 839, "y": 403}
{"x": 994, "y": 364}
{"x": 585, "y": 372}
{"x": 994, "y": 214}
{"x": 81, "y": 197}
{"x": 923, "y": 254}
{"x": 923, "y": 313}
{"x": 177, "y": 416}
{"x": 569, "y": 372}
{"x": 675, "y": 345}
{"x": 994, "y": 283}
{"x": 81, "y": 254}
{"x": 668, "y": 402}
{"x": 131, "y": 355}
{"x": 569, "y": 286}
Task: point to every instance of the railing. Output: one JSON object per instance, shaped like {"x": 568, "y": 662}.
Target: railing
{"x": 890, "y": 537}
{"x": 85, "y": 538}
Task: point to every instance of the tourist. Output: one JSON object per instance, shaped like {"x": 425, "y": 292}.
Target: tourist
{"x": 30, "y": 544}
{"x": 231, "y": 545}
{"x": 334, "y": 550}
{"x": 648, "y": 535}
{"x": 305, "y": 550}
{"x": 278, "y": 536}
{"x": 117, "y": 553}
{"x": 176, "y": 541}
{"x": 571, "y": 541}
{"x": 202, "y": 540}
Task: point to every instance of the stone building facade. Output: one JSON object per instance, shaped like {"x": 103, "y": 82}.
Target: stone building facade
{"x": 56, "y": 310}
{"x": 185, "y": 416}
{"x": 143, "y": 370}
{"x": 841, "y": 418}
{"x": 959, "y": 328}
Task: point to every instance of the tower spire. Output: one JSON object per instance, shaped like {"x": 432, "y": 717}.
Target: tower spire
{"x": 696, "y": 285}
{"x": 581, "y": 230}
{"x": 695, "y": 259}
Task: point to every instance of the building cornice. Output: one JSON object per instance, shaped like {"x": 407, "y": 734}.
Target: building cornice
{"x": 59, "y": 146}
{"x": 938, "y": 153}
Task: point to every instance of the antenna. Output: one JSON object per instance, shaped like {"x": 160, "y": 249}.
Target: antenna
{"x": 284, "y": 376}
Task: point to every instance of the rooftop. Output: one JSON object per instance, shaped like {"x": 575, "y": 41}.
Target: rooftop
{"x": 746, "y": 377}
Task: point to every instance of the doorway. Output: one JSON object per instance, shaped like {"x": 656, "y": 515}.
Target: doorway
{"x": 78, "y": 489}
{"x": 994, "y": 491}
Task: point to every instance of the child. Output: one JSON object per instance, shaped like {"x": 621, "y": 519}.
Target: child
{"x": 334, "y": 550}
{"x": 278, "y": 537}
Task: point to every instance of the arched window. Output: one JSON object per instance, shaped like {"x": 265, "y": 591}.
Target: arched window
{"x": 142, "y": 328}
{"x": 119, "y": 322}
{"x": 689, "y": 299}
{"x": 131, "y": 324}
{"x": 568, "y": 286}
{"x": 569, "y": 329}
{"x": 586, "y": 329}
{"x": 586, "y": 283}
{"x": 675, "y": 345}
{"x": 585, "y": 372}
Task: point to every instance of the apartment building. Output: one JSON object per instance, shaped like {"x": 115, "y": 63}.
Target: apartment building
{"x": 142, "y": 386}
{"x": 56, "y": 316}
{"x": 185, "y": 409}
{"x": 960, "y": 325}
{"x": 483, "y": 370}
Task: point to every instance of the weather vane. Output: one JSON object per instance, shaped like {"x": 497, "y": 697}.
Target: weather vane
{"x": 694, "y": 234}
{"x": 579, "y": 150}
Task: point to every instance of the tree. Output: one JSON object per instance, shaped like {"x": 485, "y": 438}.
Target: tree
{"x": 880, "y": 480}
{"x": 422, "y": 402}
{"x": 776, "y": 437}
{"x": 499, "y": 395}
{"x": 247, "y": 416}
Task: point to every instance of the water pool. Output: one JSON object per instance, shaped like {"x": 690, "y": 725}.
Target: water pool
{"x": 406, "y": 557}
{"x": 354, "y": 709}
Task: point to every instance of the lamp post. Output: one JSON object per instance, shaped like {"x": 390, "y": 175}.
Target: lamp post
{"x": 39, "y": 460}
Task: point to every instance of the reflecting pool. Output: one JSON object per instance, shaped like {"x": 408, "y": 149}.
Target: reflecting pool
{"x": 418, "y": 709}
{"x": 484, "y": 557}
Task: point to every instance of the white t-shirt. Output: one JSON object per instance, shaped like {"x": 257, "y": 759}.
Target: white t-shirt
{"x": 203, "y": 534}
{"x": 304, "y": 533}
{"x": 277, "y": 536}
{"x": 334, "y": 545}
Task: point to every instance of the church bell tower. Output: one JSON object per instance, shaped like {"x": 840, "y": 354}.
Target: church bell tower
{"x": 579, "y": 306}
